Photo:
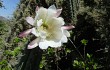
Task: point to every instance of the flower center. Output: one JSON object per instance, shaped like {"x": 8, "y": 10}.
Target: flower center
{"x": 43, "y": 30}
{"x": 45, "y": 26}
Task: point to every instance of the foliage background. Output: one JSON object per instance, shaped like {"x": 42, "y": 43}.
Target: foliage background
{"x": 87, "y": 49}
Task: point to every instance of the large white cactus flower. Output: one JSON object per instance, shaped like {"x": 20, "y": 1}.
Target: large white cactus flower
{"x": 48, "y": 28}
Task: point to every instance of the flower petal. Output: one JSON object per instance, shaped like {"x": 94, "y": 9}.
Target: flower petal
{"x": 37, "y": 8}
{"x": 25, "y": 33}
{"x": 55, "y": 35}
{"x": 51, "y": 12}
{"x": 42, "y": 14}
{"x": 43, "y": 45}
{"x": 36, "y": 17}
{"x": 34, "y": 32}
{"x": 66, "y": 33}
{"x": 54, "y": 44}
{"x": 61, "y": 20}
{"x": 52, "y": 7}
{"x": 64, "y": 39}
{"x": 34, "y": 43}
{"x": 42, "y": 34}
{"x": 55, "y": 22}
{"x": 58, "y": 12}
{"x": 30, "y": 20}
{"x": 58, "y": 35}
{"x": 68, "y": 27}
{"x": 39, "y": 23}
{"x": 54, "y": 29}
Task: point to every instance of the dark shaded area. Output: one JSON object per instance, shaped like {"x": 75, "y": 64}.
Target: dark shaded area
{"x": 30, "y": 60}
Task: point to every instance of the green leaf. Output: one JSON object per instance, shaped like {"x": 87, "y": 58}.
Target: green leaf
{"x": 68, "y": 50}
{"x": 3, "y": 62}
{"x": 95, "y": 66}
{"x": 8, "y": 52}
{"x": 16, "y": 40}
{"x": 16, "y": 51}
{"x": 84, "y": 42}
{"x": 76, "y": 62}
{"x": 41, "y": 65}
{"x": 89, "y": 56}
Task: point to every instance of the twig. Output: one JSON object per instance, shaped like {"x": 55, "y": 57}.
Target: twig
{"x": 76, "y": 49}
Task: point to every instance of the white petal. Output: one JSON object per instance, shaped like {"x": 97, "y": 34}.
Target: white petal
{"x": 25, "y": 33}
{"x": 54, "y": 44}
{"x": 34, "y": 43}
{"x": 66, "y": 33}
{"x": 36, "y": 17}
{"x": 54, "y": 29}
{"x": 52, "y": 7}
{"x": 64, "y": 39}
{"x": 30, "y": 20}
{"x": 43, "y": 45}
{"x": 39, "y": 23}
{"x": 55, "y": 22}
{"x": 61, "y": 20}
{"x": 42, "y": 34}
{"x": 51, "y": 12}
{"x": 34, "y": 31}
{"x": 54, "y": 35}
{"x": 42, "y": 14}
{"x": 57, "y": 35}
{"x": 58, "y": 12}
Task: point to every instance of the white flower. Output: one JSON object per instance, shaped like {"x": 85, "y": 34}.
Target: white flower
{"x": 48, "y": 28}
